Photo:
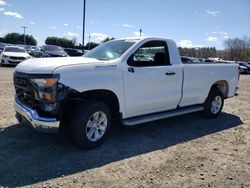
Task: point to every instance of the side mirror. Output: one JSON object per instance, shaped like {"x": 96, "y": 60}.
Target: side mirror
{"x": 131, "y": 60}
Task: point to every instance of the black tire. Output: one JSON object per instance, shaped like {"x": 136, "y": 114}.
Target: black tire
{"x": 79, "y": 119}
{"x": 208, "y": 110}
{"x": 2, "y": 64}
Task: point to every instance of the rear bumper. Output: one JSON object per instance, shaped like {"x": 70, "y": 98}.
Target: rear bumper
{"x": 25, "y": 114}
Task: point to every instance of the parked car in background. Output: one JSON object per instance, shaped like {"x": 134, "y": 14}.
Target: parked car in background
{"x": 12, "y": 55}
{"x": 26, "y": 47}
{"x": 85, "y": 51}
{"x": 52, "y": 51}
{"x": 142, "y": 57}
{"x": 2, "y": 45}
{"x": 244, "y": 68}
{"x": 208, "y": 61}
{"x": 34, "y": 51}
{"x": 185, "y": 60}
{"x": 201, "y": 59}
{"x": 73, "y": 52}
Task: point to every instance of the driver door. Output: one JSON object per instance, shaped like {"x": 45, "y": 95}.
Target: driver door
{"x": 150, "y": 80}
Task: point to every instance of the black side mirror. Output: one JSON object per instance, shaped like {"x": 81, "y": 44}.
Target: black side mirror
{"x": 131, "y": 60}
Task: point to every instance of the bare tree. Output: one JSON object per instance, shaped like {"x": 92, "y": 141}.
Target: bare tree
{"x": 238, "y": 49}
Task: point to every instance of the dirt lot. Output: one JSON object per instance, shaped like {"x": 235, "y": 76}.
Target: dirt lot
{"x": 186, "y": 151}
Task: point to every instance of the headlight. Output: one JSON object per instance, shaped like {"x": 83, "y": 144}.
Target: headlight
{"x": 45, "y": 82}
{"x": 5, "y": 56}
{"x": 46, "y": 89}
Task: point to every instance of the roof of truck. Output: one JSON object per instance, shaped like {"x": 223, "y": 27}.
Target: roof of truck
{"x": 142, "y": 38}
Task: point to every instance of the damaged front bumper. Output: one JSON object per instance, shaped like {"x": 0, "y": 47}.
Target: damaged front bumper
{"x": 27, "y": 115}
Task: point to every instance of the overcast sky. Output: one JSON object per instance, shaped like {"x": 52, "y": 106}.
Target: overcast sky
{"x": 191, "y": 23}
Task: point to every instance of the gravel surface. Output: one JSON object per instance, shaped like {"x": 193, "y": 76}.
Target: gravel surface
{"x": 185, "y": 151}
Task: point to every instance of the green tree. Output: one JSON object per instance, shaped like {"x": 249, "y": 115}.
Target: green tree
{"x": 30, "y": 40}
{"x": 16, "y": 38}
{"x": 63, "y": 42}
{"x": 90, "y": 45}
{"x": 107, "y": 39}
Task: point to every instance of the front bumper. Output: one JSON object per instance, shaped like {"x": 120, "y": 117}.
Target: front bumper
{"x": 25, "y": 114}
{"x": 9, "y": 61}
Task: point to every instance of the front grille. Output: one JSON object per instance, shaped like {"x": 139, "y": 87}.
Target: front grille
{"x": 17, "y": 58}
{"x": 25, "y": 96}
{"x": 24, "y": 90}
{"x": 20, "y": 81}
{"x": 14, "y": 62}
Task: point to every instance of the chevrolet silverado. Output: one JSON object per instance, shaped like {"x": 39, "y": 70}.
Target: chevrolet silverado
{"x": 131, "y": 81}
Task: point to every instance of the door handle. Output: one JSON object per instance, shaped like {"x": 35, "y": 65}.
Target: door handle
{"x": 131, "y": 69}
{"x": 170, "y": 73}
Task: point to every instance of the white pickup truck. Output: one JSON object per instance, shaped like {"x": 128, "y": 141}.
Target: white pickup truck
{"x": 131, "y": 80}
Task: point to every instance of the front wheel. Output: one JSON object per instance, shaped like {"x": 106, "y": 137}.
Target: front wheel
{"x": 90, "y": 124}
{"x": 2, "y": 63}
{"x": 214, "y": 103}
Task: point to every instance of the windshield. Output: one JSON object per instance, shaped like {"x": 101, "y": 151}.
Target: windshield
{"x": 52, "y": 48}
{"x": 110, "y": 50}
{"x": 14, "y": 49}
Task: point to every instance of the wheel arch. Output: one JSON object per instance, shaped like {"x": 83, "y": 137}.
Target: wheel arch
{"x": 222, "y": 86}
{"x": 102, "y": 95}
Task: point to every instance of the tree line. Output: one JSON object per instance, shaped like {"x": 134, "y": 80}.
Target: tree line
{"x": 204, "y": 52}
{"x": 236, "y": 49}
{"x": 16, "y": 38}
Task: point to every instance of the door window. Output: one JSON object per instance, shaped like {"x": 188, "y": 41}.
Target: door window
{"x": 153, "y": 53}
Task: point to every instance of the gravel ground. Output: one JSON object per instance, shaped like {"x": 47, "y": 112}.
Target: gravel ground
{"x": 186, "y": 151}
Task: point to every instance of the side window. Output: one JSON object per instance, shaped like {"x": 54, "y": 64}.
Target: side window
{"x": 153, "y": 53}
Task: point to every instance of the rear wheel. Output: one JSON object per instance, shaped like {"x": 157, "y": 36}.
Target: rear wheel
{"x": 214, "y": 103}
{"x": 90, "y": 124}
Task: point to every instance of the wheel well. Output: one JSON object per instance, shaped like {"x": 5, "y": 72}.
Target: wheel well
{"x": 74, "y": 98}
{"x": 105, "y": 96}
{"x": 222, "y": 86}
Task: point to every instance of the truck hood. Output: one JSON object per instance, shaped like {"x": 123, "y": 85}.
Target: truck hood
{"x": 48, "y": 65}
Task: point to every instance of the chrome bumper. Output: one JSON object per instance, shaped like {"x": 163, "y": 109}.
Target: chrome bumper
{"x": 37, "y": 122}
